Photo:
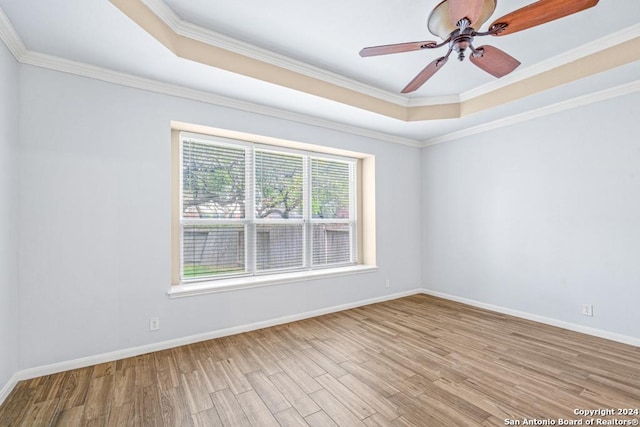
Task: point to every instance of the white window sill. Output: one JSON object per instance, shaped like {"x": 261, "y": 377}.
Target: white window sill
{"x": 225, "y": 285}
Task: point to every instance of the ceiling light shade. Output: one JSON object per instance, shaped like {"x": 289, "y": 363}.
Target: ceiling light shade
{"x": 440, "y": 24}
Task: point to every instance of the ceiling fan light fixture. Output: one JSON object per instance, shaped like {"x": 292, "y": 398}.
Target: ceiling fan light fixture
{"x": 440, "y": 24}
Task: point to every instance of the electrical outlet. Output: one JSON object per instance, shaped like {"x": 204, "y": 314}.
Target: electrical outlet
{"x": 154, "y": 323}
{"x": 387, "y": 284}
{"x": 587, "y": 310}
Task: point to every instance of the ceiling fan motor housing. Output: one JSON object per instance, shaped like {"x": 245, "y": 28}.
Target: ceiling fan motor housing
{"x": 461, "y": 40}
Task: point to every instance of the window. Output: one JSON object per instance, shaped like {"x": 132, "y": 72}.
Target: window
{"x": 248, "y": 209}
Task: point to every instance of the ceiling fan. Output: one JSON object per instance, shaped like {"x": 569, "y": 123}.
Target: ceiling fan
{"x": 455, "y": 22}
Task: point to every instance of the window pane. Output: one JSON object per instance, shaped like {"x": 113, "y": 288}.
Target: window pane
{"x": 213, "y": 181}
{"x": 331, "y": 243}
{"x": 212, "y": 250}
{"x": 279, "y": 246}
{"x": 278, "y": 185}
{"x": 330, "y": 182}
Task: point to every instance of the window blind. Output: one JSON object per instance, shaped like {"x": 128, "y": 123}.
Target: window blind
{"x": 248, "y": 209}
{"x": 331, "y": 195}
{"x": 213, "y": 200}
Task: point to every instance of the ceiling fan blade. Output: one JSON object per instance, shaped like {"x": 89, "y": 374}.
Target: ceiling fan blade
{"x": 541, "y": 12}
{"x": 425, "y": 74}
{"x": 397, "y": 48}
{"x": 494, "y": 61}
{"x": 470, "y": 9}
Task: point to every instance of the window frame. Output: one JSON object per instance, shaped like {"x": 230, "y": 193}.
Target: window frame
{"x": 362, "y": 208}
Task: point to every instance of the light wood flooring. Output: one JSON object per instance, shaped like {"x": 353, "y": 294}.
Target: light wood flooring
{"x": 415, "y": 361}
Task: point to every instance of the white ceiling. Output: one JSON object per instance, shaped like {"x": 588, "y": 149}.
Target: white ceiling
{"x": 325, "y": 37}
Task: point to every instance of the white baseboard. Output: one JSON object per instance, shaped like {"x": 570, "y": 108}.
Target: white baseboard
{"x": 541, "y": 319}
{"x": 53, "y": 368}
{"x": 8, "y": 387}
{"x": 163, "y": 345}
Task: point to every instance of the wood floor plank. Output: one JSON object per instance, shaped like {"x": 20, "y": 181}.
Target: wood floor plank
{"x": 183, "y": 356}
{"x": 294, "y": 394}
{"x": 325, "y": 363}
{"x": 297, "y": 374}
{"x": 235, "y": 378}
{"x": 14, "y": 408}
{"x": 75, "y": 388}
{"x": 377, "y": 420}
{"x": 481, "y": 400}
{"x": 147, "y": 406}
{"x": 255, "y": 410}
{"x": 290, "y": 418}
{"x": 124, "y": 387}
{"x": 166, "y": 370}
{"x": 120, "y": 416}
{"x": 39, "y": 414}
{"x": 195, "y": 391}
{"x": 370, "y": 378}
{"x": 335, "y": 409}
{"x": 270, "y": 344}
{"x": 213, "y": 375}
{"x": 268, "y": 392}
{"x": 101, "y": 421}
{"x": 208, "y": 418}
{"x": 371, "y": 396}
{"x": 416, "y": 361}
{"x": 348, "y": 398}
{"x": 320, "y": 419}
{"x": 425, "y": 413}
{"x": 99, "y": 397}
{"x": 146, "y": 374}
{"x": 175, "y": 408}
{"x": 264, "y": 360}
{"x": 447, "y": 401}
{"x": 68, "y": 417}
{"x": 229, "y": 410}
{"x": 332, "y": 352}
{"x": 217, "y": 350}
{"x": 307, "y": 364}
{"x": 50, "y": 388}
{"x": 244, "y": 360}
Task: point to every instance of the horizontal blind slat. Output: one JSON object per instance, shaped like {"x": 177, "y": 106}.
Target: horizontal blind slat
{"x": 330, "y": 189}
{"x": 213, "y": 181}
{"x": 278, "y": 185}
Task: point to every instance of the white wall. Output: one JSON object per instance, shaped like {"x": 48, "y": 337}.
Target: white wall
{"x": 94, "y": 256}
{"x": 541, "y": 217}
{"x": 8, "y": 215}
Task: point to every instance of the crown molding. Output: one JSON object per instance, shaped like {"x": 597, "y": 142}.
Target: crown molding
{"x": 15, "y": 45}
{"x": 18, "y": 49}
{"x": 123, "y": 79}
{"x": 425, "y": 108}
{"x": 210, "y": 37}
{"x": 192, "y": 42}
{"x": 190, "y": 30}
{"x": 165, "y": 13}
{"x": 433, "y": 101}
{"x": 580, "y": 101}
{"x": 11, "y": 38}
{"x": 555, "y": 62}
{"x": 98, "y": 73}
